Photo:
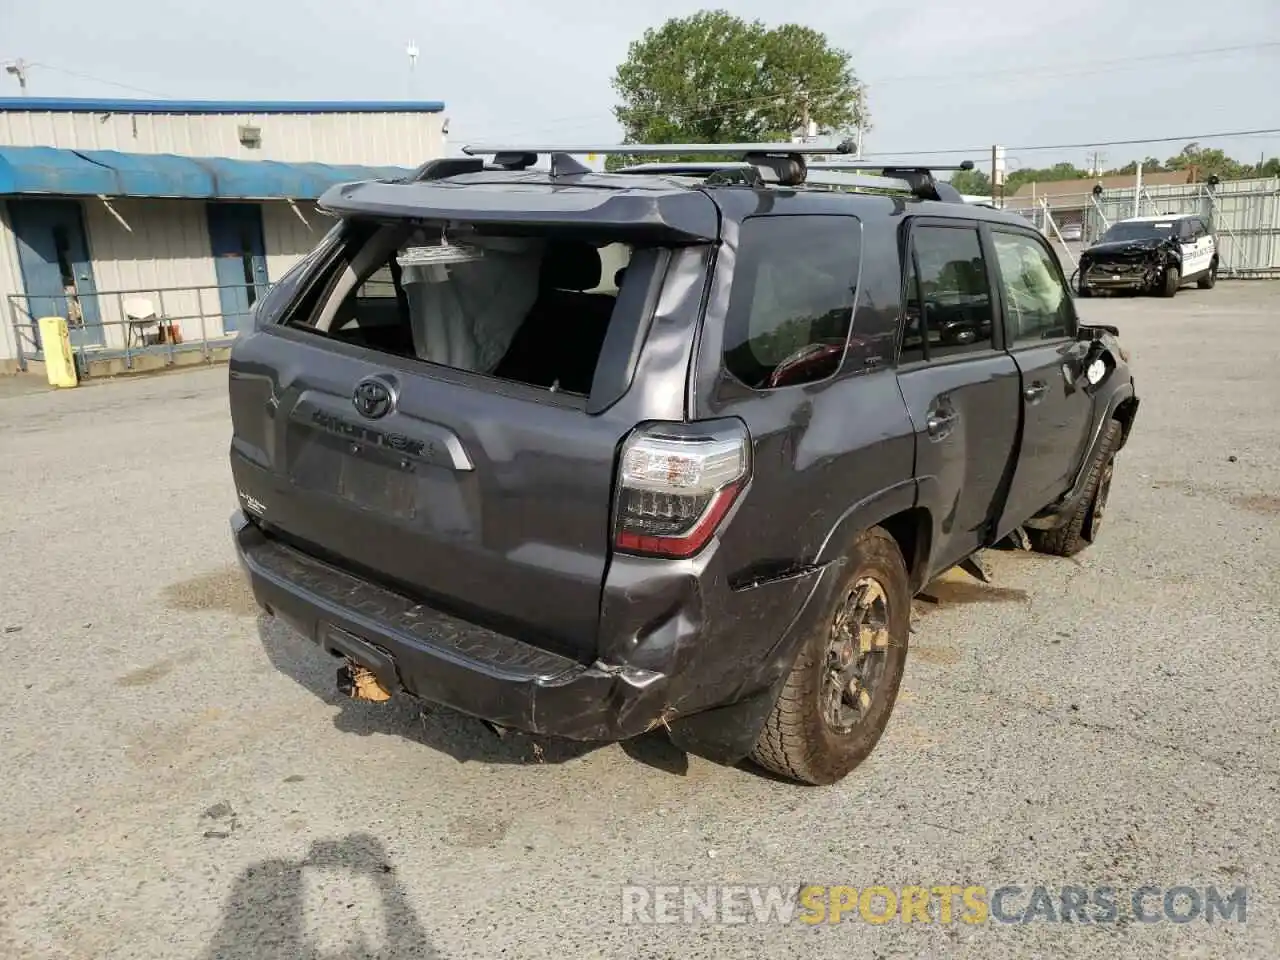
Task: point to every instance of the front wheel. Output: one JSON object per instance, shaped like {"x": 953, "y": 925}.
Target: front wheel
{"x": 1171, "y": 281}
{"x": 1086, "y": 520}
{"x": 837, "y": 700}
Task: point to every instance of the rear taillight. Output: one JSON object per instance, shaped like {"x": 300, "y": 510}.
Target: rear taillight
{"x": 675, "y": 488}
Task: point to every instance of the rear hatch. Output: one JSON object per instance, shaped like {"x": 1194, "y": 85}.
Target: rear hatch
{"x": 436, "y": 399}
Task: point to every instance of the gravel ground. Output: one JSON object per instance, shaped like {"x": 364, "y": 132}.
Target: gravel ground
{"x": 181, "y": 780}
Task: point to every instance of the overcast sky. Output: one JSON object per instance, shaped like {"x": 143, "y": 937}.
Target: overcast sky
{"x": 540, "y": 70}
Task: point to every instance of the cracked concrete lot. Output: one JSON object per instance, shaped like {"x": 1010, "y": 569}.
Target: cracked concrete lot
{"x": 181, "y": 780}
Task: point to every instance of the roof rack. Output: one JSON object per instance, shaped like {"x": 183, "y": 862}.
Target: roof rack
{"x": 762, "y": 164}
{"x": 780, "y": 163}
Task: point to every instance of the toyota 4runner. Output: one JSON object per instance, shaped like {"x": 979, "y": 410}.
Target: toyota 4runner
{"x": 589, "y": 454}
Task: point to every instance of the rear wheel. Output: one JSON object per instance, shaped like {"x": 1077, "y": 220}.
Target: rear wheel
{"x": 1209, "y": 279}
{"x": 837, "y": 700}
{"x": 1086, "y": 520}
{"x": 1170, "y": 282}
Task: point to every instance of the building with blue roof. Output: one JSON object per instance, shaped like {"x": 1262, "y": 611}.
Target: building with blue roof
{"x": 153, "y": 223}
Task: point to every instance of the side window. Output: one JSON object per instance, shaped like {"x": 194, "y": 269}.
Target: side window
{"x": 1036, "y": 301}
{"x": 791, "y": 304}
{"x": 948, "y": 301}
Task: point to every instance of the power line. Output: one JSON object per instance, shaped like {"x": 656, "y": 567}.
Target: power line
{"x": 1191, "y": 138}
{"x": 93, "y": 79}
{"x": 1085, "y": 66}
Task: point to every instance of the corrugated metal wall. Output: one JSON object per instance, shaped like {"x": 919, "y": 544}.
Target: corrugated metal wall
{"x": 167, "y": 248}
{"x": 287, "y": 238}
{"x": 389, "y": 139}
{"x": 10, "y": 282}
{"x": 1245, "y": 215}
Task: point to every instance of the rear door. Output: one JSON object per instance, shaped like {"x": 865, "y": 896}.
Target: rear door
{"x": 487, "y": 498}
{"x": 1197, "y": 251}
{"x": 1040, "y": 330}
{"x": 960, "y": 386}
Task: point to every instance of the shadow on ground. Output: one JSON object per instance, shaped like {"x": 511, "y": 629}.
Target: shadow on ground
{"x": 281, "y": 909}
{"x": 461, "y": 737}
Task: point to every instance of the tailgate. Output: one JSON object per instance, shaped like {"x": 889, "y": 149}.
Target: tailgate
{"x": 491, "y": 504}
{"x": 438, "y": 426}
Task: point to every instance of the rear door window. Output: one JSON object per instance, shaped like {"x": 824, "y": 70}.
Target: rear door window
{"x": 791, "y": 305}
{"x": 948, "y": 299}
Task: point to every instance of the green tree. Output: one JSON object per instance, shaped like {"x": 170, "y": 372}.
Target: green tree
{"x": 975, "y": 183}
{"x": 1059, "y": 171}
{"x": 1269, "y": 168}
{"x": 715, "y": 78}
{"x": 1207, "y": 161}
{"x": 1149, "y": 165}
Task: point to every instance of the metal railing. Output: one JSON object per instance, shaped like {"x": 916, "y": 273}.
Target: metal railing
{"x": 106, "y": 324}
{"x": 1245, "y": 215}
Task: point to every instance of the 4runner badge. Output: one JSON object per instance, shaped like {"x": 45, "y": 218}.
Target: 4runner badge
{"x": 373, "y": 398}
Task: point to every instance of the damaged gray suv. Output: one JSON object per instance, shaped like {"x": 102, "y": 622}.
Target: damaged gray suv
{"x": 590, "y": 454}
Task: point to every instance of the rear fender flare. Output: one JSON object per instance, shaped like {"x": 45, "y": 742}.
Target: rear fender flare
{"x": 864, "y": 514}
{"x": 727, "y": 733}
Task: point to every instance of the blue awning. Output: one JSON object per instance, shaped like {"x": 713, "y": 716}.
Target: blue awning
{"x": 93, "y": 173}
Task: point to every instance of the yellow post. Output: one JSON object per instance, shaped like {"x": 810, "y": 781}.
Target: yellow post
{"x": 59, "y": 361}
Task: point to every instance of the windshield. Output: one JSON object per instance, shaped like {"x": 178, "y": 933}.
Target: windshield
{"x": 1139, "y": 230}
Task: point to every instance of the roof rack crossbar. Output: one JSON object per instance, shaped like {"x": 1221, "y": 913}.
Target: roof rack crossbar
{"x": 669, "y": 149}
{"x": 888, "y": 165}
{"x": 780, "y": 164}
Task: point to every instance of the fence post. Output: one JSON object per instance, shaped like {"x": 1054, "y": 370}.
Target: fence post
{"x": 17, "y": 333}
{"x": 128, "y": 331}
{"x": 204, "y": 337}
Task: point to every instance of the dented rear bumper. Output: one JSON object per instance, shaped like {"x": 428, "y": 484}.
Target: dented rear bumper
{"x": 680, "y": 647}
{"x": 442, "y": 659}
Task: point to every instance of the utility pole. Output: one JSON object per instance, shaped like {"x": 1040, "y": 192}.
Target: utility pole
{"x": 997, "y": 173}
{"x": 18, "y": 69}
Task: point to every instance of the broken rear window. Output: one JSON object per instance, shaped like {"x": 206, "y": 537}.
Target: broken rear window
{"x": 530, "y": 308}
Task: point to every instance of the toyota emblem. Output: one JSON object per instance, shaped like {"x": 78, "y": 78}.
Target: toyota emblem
{"x": 373, "y": 398}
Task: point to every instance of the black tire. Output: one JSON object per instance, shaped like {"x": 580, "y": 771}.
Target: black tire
{"x": 1082, "y": 529}
{"x": 1170, "y": 282}
{"x": 801, "y": 740}
{"x": 1208, "y": 281}
{"x": 1083, "y": 291}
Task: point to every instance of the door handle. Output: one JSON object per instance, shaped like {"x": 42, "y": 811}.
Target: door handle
{"x": 940, "y": 423}
{"x": 1035, "y": 393}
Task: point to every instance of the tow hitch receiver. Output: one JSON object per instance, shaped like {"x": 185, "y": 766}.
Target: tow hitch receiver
{"x": 359, "y": 683}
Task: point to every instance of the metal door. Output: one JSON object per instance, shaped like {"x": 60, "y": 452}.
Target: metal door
{"x": 239, "y": 257}
{"x": 57, "y": 274}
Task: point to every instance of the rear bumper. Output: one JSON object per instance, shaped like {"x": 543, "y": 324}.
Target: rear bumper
{"x": 443, "y": 659}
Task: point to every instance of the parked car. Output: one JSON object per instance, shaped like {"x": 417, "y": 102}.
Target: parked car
{"x": 1072, "y": 232}
{"x": 696, "y": 490}
{"x": 1155, "y": 255}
